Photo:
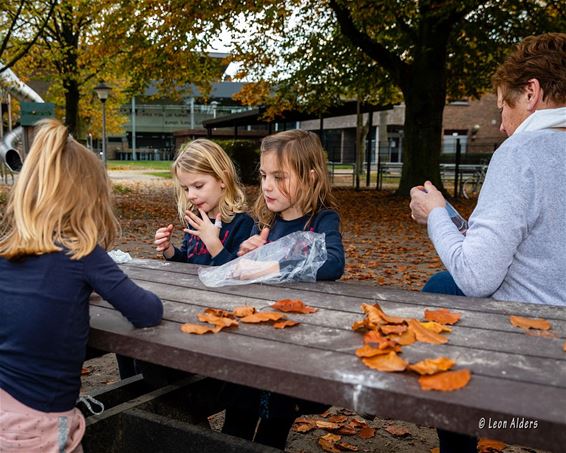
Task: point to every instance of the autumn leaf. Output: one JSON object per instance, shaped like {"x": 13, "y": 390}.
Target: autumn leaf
{"x": 490, "y": 446}
{"x": 347, "y": 430}
{"x": 369, "y": 351}
{"x": 216, "y": 320}
{"x": 446, "y": 381}
{"x": 219, "y": 312}
{"x": 404, "y": 339}
{"x": 346, "y": 446}
{"x": 285, "y": 324}
{"x": 432, "y": 366}
{"x": 327, "y": 444}
{"x": 390, "y": 362}
{"x": 242, "y": 312}
{"x": 292, "y": 306}
{"x": 377, "y": 316}
{"x": 337, "y": 418}
{"x": 530, "y": 323}
{"x": 268, "y": 316}
{"x": 366, "y": 432}
{"x": 199, "y": 329}
{"x": 436, "y": 327}
{"x": 442, "y": 316}
{"x": 564, "y": 347}
{"x": 424, "y": 335}
{"x": 85, "y": 371}
{"x": 303, "y": 427}
{"x": 323, "y": 424}
{"x": 395, "y": 329}
{"x": 397, "y": 431}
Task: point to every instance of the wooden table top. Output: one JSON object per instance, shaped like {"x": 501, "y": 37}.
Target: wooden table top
{"x": 517, "y": 379}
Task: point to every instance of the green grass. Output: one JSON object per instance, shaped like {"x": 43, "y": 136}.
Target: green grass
{"x": 161, "y": 174}
{"x": 139, "y": 165}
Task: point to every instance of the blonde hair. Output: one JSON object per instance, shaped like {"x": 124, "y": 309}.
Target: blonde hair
{"x": 61, "y": 199}
{"x": 302, "y": 153}
{"x": 206, "y": 157}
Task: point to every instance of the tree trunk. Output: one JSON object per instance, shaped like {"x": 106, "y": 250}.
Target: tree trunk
{"x": 361, "y": 133}
{"x": 72, "y": 96}
{"x": 424, "y": 90}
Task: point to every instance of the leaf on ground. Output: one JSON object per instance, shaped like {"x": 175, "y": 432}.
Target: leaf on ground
{"x": 293, "y": 306}
{"x": 446, "y": 381}
{"x": 369, "y": 351}
{"x": 286, "y": 323}
{"x": 388, "y": 363}
{"x": 243, "y": 311}
{"x": 268, "y": 316}
{"x": 367, "y": 432}
{"x": 199, "y": 329}
{"x": 397, "y": 431}
{"x": 490, "y": 446}
{"x": 424, "y": 335}
{"x": 346, "y": 446}
{"x": 432, "y": 366}
{"x": 436, "y": 327}
{"x": 530, "y": 323}
{"x": 217, "y": 320}
{"x": 442, "y": 316}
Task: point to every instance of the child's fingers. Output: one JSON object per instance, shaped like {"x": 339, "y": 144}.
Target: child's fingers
{"x": 193, "y": 232}
{"x": 264, "y": 235}
{"x": 192, "y": 216}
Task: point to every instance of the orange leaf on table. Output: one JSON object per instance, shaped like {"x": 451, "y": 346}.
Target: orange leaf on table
{"x": 367, "y": 432}
{"x": 286, "y": 323}
{"x": 219, "y": 312}
{"x": 405, "y": 338}
{"x": 424, "y": 335}
{"x": 369, "y": 351}
{"x": 346, "y": 446}
{"x": 377, "y": 316}
{"x": 530, "y": 323}
{"x": 292, "y": 306}
{"x": 349, "y": 429}
{"x": 268, "y": 316}
{"x": 446, "y": 381}
{"x": 389, "y": 362}
{"x": 337, "y": 418}
{"x": 490, "y": 446}
{"x": 432, "y": 366}
{"x": 394, "y": 329}
{"x": 442, "y": 316}
{"x": 375, "y": 337}
{"x": 328, "y": 445}
{"x": 303, "y": 427}
{"x": 435, "y": 327}
{"x": 217, "y": 320}
{"x": 199, "y": 329}
{"x": 243, "y": 311}
{"x": 323, "y": 424}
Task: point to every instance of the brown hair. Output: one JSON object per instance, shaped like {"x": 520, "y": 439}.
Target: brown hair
{"x": 541, "y": 57}
{"x": 302, "y": 153}
{"x": 206, "y": 157}
{"x": 60, "y": 200}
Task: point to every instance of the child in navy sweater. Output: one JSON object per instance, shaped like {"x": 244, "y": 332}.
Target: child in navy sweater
{"x": 59, "y": 211}
{"x": 295, "y": 196}
{"x": 211, "y": 203}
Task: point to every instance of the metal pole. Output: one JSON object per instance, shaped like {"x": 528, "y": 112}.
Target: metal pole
{"x": 192, "y": 113}
{"x": 134, "y": 157}
{"x": 368, "y": 153}
{"x": 103, "y": 131}
{"x": 457, "y": 167}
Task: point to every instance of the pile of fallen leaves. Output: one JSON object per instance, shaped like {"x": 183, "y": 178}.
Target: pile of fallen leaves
{"x": 385, "y": 335}
{"x": 217, "y": 319}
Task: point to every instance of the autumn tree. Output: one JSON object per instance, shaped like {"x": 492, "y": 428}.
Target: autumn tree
{"x": 22, "y": 22}
{"x": 428, "y": 49}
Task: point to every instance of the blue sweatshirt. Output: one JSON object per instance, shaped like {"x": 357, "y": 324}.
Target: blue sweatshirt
{"x": 231, "y": 235}
{"x": 44, "y": 322}
{"x": 326, "y": 221}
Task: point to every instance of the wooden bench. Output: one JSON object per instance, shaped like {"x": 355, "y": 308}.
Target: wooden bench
{"x": 516, "y": 377}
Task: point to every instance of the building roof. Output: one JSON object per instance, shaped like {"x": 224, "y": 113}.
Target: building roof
{"x": 255, "y": 116}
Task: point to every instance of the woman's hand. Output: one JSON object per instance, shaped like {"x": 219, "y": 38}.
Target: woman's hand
{"x": 162, "y": 241}
{"x": 204, "y": 229}
{"x": 423, "y": 200}
{"x": 254, "y": 242}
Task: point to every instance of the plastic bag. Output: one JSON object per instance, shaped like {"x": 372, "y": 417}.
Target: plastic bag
{"x": 295, "y": 257}
{"x": 120, "y": 257}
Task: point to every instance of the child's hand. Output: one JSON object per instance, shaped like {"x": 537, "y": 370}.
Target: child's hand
{"x": 254, "y": 242}
{"x": 203, "y": 228}
{"x": 163, "y": 241}
{"x": 250, "y": 270}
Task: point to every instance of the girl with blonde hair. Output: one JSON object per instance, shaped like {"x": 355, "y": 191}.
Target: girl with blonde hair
{"x": 58, "y": 217}
{"x": 210, "y": 201}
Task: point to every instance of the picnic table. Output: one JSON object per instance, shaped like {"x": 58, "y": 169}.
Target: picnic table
{"x": 517, "y": 392}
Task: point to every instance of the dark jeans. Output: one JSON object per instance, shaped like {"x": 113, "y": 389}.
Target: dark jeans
{"x": 450, "y": 442}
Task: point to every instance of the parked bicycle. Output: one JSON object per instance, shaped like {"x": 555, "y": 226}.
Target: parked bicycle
{"x": 472, "y": 185}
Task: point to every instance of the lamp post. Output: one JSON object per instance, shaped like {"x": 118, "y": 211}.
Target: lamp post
{"x": 103, "y": 91}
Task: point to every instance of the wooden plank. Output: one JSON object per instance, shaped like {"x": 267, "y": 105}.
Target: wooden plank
{"x": 340, "y": 379}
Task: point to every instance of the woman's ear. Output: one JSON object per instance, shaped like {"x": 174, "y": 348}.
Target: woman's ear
{"x": 534, "y": 94}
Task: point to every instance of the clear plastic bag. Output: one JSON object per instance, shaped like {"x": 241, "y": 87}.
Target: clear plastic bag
{"x": 295, "y": 257}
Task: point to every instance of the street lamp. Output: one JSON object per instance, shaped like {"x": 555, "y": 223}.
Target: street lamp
{"x": 103, "y": 91}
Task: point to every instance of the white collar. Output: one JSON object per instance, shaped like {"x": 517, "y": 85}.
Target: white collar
{"x": 543, "y": 119}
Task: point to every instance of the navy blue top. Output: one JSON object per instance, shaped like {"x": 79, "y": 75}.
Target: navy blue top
{"x": 231, "y": 235}
{"x": 44, "y": 322}
{"x": 326, "y": 221}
